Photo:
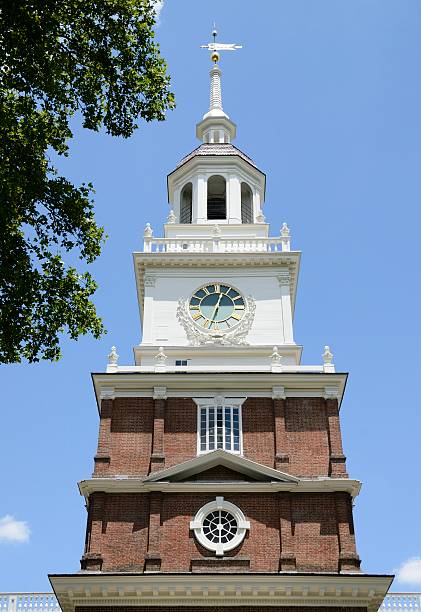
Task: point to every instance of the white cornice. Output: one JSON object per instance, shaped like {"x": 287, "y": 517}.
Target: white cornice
{"x": 203, "y": 384}
{"x": 286, "y": 589}
{"x": 137, "y": 485}
{"x": 150, "y": 261}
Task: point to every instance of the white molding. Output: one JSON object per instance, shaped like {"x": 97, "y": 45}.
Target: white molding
{"x": 220, "y": 400}
{"x": 106, "y": 393}
{"x": 235, "y": 462}
{"x": 284, "y": 278}
{"x": 278, "y": 392}
{"x": 152, "y": 263}
{"x": 197, "y": 335}
{"x": 203, "y": 384}
{"x": 332, "y": 392}
{"x": 218, "y": 547}
{"x": 286, "y": 589}
{"x": 121, "y": 484}
{"x": 160, "y": 393}
{"x": 150, "y": 280}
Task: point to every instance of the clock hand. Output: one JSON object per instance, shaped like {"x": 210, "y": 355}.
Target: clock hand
{"x": 216, "y": 307}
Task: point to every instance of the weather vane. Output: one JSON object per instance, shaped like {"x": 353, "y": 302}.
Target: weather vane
{"x": 215, "y": 47}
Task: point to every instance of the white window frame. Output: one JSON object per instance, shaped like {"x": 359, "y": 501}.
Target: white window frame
{"x": 224, "y": 402}
{"x": 218, "y": 547}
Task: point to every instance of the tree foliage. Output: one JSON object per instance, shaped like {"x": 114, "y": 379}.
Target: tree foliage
{"x": 58, "y": 58}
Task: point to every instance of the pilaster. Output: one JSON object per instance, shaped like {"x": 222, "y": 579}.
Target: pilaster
{"x": 158, "y": 456}
{"x": 284, "y": 285}
{"x": 349, "y": 560}
{"x": 234, "y": 199}
{"x": 92, "y": 560}
{"x": 281, "y": 440}
{"x": 337, "y": 459}
{"x": 287, "y": 561}
{"x": 200, "y": 194}
{"x": 102, "y": 457}
{"x": 153, "y": 557}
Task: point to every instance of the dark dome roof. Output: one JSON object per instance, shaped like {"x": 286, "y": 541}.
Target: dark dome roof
{"x": 223, "y": 148}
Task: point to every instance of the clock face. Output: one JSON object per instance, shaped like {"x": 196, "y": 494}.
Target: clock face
{"x": 217, "y": 307}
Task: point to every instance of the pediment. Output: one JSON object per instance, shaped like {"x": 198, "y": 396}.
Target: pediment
{"x": 233, "y": 467}
{"x": 220, "y": 473}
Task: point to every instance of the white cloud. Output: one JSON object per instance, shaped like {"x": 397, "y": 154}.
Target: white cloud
{"x": 12, "y": 530}
{"x": 410, "y": 571}
{"x": 159, "y": 5}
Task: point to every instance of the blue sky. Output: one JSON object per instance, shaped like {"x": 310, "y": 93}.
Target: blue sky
{"x": 327, "y": 99}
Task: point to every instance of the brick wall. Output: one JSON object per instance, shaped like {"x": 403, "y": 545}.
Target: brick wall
{"x": 289, "y": 532}
{"x": 300, "y": 436}
{"x": 128, "y": 530}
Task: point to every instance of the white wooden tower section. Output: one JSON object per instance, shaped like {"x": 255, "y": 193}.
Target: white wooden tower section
{"x": 216, "y": 292}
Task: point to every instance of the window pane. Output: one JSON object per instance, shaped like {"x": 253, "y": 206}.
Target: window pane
{"x": 228, "y": 429}
{"x": 211, "y": 428}
{"x": 236, "y": 428}
{"x": 203, "y": 429}
{"x": 219, "y": 427}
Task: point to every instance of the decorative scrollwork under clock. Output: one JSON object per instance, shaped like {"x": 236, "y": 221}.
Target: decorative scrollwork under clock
{"x": 216, "y": 313}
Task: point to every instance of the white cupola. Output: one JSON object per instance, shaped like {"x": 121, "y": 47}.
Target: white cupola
{"x": 216, "y": 183}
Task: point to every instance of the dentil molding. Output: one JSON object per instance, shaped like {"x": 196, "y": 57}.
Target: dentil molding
{"x": 286, "y": 589}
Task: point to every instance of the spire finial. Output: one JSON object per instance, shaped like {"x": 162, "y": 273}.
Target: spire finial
{"x": 214, "y": 47}
{"x": 215, "y": 90}
{"x": 209, "y": 129}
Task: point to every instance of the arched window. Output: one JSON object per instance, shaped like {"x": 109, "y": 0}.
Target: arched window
{"x": 186, "y": 203}
{"x": 246, "y": 204}
{"x": 217, "y": 200}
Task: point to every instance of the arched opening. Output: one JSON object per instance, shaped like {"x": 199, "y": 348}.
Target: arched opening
{"x": 217, "y": 199}
{"x": 186, "y": 203}
{"x": 246, "y": 204}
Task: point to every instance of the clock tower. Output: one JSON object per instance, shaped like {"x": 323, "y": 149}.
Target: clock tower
{"x": 219, "y": 481}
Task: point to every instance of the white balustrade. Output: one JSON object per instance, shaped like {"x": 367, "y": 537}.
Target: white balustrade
{"x": 47, "y": 602}
{"x": 401, "y": 602}
{"x": 28, "y": 602}
{"x": 215, "y": 245}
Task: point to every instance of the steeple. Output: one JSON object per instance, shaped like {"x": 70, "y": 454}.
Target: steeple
{"x": 216, "y": 182}
{"x": 216, "y": 126}
{"x": 215, "y": 107}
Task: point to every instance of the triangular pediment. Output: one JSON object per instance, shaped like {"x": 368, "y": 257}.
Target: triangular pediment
{"x": 204, "y": 467}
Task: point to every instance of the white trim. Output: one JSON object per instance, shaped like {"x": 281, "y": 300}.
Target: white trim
{"x": 203, "y": 384}
{"x": 261, "y": 261}
{"x": 160, "y": 393}
{"x": 214, "y": 402}
{"x": 126, "y": 484}
{"x": 219, "y": 547}
{"x": 286, "y": 589}
{"x": 106, "y": 393}
{"x": 232, "y": 461}
{"x": 278, "y": 392}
